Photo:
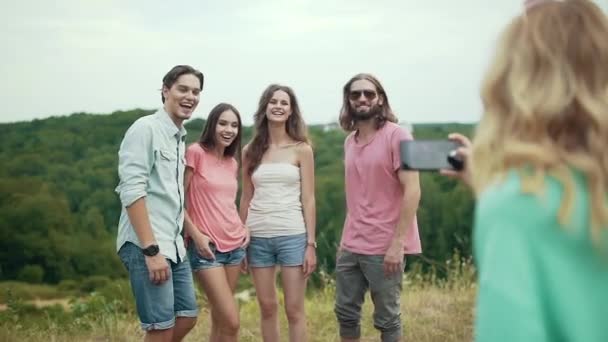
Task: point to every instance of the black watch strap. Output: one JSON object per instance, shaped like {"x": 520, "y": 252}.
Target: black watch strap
{"x": 151, "y": 250}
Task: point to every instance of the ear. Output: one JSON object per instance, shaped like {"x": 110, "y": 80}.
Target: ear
{"x": 380, "y": 100}
{"x": 165, "y": 91}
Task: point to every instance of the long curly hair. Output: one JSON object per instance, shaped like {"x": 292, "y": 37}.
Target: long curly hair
{"x": 545, "y": 99}
{"x": 295, "y": 126}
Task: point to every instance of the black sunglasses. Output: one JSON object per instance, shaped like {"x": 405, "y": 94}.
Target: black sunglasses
{"x": 355, "y": 95}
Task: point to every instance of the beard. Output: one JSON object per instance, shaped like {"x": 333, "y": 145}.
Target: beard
{"x": 374, "y": 111}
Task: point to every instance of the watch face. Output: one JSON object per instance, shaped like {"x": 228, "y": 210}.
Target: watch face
{"x": 151, "y": 250}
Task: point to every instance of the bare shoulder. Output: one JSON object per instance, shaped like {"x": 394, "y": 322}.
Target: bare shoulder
{"x": 245, "y": 149}
{"x": 244, "y": 154}
{"x": 304, "y": 149}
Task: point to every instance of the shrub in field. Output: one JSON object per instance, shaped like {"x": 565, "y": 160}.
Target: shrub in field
{"x": 93, "y": 283}
{"x": 27, "y": 291}
{"x": 31, "y": 274}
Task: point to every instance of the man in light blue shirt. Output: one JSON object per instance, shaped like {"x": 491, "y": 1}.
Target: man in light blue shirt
{"x": 149, "y": 243}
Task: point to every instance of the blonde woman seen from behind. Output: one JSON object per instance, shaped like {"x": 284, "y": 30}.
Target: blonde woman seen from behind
{"x": 539, "y": 167}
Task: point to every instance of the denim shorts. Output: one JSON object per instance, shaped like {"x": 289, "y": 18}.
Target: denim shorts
{"x": 158, "y": 305}
{"x": 198, "y": 262}
{"x": 281, "y": 250}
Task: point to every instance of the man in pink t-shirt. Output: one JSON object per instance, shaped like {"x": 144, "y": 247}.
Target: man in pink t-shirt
{"x": 381, "y": 202}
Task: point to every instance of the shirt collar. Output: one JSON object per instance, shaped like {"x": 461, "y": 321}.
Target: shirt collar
{"x": 169, "y": 125}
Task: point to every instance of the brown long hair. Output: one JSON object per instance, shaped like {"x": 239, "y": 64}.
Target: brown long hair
{"x": 207, "y": 138}
{"x": 347, "y": 122}
{"x": 295, "y": 126}
{"x": 546, "y": 105}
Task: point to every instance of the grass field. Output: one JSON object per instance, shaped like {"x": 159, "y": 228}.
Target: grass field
{"x": 433, "y": 310}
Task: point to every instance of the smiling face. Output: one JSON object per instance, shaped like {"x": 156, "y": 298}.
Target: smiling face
{"x": 364, "y": 100}
{"x": 226, "y": 129}
{"x": 182, "y": 98}
{"x": 279, "y": 107}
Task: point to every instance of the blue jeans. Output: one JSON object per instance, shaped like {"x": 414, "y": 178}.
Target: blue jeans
{"x": 158, "y": 305}
{"x": 281, "y": 250}
{"x": 198, "y": 262}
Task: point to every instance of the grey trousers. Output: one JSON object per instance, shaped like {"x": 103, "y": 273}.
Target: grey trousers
{"x": 355, "y": 274}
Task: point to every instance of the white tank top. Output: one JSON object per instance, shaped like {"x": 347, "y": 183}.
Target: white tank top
{"x": 276, "y": 207}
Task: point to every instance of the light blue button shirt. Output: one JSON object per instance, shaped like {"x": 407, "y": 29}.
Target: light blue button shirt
{"x": 151, "y": 164}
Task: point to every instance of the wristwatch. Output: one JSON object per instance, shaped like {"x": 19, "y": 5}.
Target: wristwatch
{"x": 312, "y": 243}
{"x": 151, "y": 250}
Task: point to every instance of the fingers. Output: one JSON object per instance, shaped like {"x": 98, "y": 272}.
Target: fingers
{"x": 205, "y": 251}
{"x": 245, "y": 266}
{"x": 462, "y": 139}
{"x": 391, "y": 268}
{"x": 385, "y": 268}
{"x": 464, "y": 151}
{"x": 450, "y": 173}
{"x": 158, "y": 274}
{"x": 163, "y": 275}
{"x": 246, "y": 241}
{"x": 308, "y": 267}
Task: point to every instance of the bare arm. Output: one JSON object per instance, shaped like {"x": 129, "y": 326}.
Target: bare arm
{"x": 247, "y": 188}
{"x": 189, "y": 227}
{"x": 135, "y": 162}
{"x": 307, "y": 169}
{"x": 201, "y": 241}
{"x": 410, "y": 184}
{"x": 138, "y": 216}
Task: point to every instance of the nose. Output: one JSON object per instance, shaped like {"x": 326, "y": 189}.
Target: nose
{"x": 191, "y": 95}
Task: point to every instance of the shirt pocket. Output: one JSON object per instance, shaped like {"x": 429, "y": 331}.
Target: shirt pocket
{"x": 166, "y": 156}
{"x": 167, "y": 166}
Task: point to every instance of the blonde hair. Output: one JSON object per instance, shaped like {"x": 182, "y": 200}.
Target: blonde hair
{"x": 545, "y": 98}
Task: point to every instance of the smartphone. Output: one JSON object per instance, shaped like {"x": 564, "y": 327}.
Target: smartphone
{"x": 430, "y": 155}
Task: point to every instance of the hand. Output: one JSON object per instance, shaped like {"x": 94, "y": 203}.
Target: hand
{"x": 393, "y": 259}
{"x": 465, "y": 153}
{"x": 158, "y": 268}
{"x": 247, "y": 238}
{"x": 310, "y": 261}
{"x": 201, "y": 241}
{"x": 245, "y": 265}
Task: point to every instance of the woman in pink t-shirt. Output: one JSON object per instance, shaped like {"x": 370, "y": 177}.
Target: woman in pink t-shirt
{"x": 216, "y": 235}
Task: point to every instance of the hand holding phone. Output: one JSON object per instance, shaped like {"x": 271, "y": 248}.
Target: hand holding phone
{"x": 431, "y": 155}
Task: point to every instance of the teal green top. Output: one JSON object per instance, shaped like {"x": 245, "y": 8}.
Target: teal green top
{"x": 538, "y": 281}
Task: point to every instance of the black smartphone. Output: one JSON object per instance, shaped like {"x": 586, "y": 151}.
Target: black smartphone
{"x": 430, "y": 155}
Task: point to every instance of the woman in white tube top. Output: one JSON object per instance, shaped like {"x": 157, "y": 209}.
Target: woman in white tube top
{"x": 278, "y": 207}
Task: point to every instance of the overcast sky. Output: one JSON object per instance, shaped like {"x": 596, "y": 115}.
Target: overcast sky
{"x": 98, "y": 56}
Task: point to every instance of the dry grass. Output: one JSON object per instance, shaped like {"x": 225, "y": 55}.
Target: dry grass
{"x": 430, "y": 313}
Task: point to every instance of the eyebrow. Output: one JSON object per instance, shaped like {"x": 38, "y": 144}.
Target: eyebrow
{"x": 186, "y": 87}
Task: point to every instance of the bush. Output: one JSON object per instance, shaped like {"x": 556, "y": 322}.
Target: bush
{"x": 68, "y": 286}
{"x": 27, "y": 291}
{"x": 119, "y": 290}
{"x": 94, "y": 283}
{"x": 32, "y": 274}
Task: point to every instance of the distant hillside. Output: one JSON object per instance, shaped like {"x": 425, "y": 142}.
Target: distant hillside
{"x": 59, "y": 212}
